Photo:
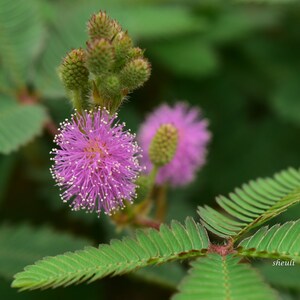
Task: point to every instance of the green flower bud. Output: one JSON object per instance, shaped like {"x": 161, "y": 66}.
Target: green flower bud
{"x": 100, "y": 56}
{"x": 163, "y": 146}
{"x": 110, "y": 87}
{"x": 135, "y": 73}
{"x": 136, "y": 52}
{"x": 122, "y": 44}
{"x": 73, "y": 71}
{"x": 102, "y": 26}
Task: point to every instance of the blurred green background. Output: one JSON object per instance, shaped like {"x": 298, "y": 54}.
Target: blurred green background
{"x": 237, "y": 60}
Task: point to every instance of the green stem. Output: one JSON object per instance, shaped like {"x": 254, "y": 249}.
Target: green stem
{"x": 77, "y": 100}
{"x": 161, "y": 204}
{"x": 152, "y": 176}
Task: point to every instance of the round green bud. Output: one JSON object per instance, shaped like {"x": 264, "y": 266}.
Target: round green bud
{"x": 102, "y": 26}
{"x": 163, "y": 145}
{"x": 136, "y": 52}
{"x": 100, "y": 56}
{"x": 110, "y": 87}
{"x": 135, "y": 73}
{"x": 73, "y": 71}
{"x": 122, "y": 44}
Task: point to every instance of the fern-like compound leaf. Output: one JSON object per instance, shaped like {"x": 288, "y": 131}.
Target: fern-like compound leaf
{"x": 147, "y": 248}
{"x": 253, "y": 204}
{"x": 223, "y": 278}
{"x": 19, "y": 124}
{"x": 277, "y": 242}
{"x": 22, "y": 245}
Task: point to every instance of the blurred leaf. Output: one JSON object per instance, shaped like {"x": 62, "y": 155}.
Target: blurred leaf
{"x": 22, "y": 245}
{"x": 285, "y": 277}
{"x": 166, "y": 275}
{"x": 223, "y": 278}
{"x": 286, "y": 99}
{"x": 153, "y": 22}
{"x": 237, "y": 23}
{"x": 68, "y": 32}
{"x": 190, "y": 57}
{"x": 7, "y": 163}
{"x": 75, "y": 292}
{"x": 266, "y": 1}
{"x": 19, "y": 124}
{"x": 21, "y": 31}
{"x": 179, "y": 205}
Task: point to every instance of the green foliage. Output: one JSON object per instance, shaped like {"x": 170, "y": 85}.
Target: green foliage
{"x": 158, "y": 21}
{"x": 20, "y": 37}
{"x": 168, "y": 275}
{"x": 281, "y": 242}
{"x": 21, "y": 245}
{"x": 147, "y": 248}
{"x": 223, "y": 277}
{"x": 188, "y": 56}
{"x": 285, "y": 277}
{"x": 285, "y": 98}
{"x": 253, "y": 204}
{"x": 75, "y": 292}
{"x": 19, "y": 124}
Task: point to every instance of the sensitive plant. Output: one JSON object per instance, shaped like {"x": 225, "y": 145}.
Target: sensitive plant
{"x": 98, "y": 80}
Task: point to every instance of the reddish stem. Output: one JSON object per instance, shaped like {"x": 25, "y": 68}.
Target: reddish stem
{"x": 145, "y": 222}
{"x": 223, "y": 250}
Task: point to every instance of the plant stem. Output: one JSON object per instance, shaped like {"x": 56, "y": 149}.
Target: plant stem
{"x": 161, "y": 204}
{"x": 146, "y": 222}
{"x": 77, "y": 100}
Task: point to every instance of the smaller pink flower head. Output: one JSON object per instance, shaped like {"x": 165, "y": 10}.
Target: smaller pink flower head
{"x": 193, "y": 137}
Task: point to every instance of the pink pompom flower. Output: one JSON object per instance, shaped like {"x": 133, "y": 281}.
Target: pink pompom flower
{"x": 193, "y": 137}
{"x": 96, "y": 163}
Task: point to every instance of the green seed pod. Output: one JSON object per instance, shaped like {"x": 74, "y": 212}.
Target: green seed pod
{"x": 100, "y": 56}
{"x": 163, "y": 146}
{"x": 102, "y": 26}
{"x": 73, "y": 71}
{"x": 122, "y": 44}
{"x": 135, "y": 73}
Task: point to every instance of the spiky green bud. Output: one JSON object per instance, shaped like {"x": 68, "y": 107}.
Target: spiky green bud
{"x": 163, "y": 145}
{"x": 122, "y": 44}
{"x": 100, "y": 56}
{"x": 135, "y": 73}
{"x": 73, "y": 71}
{"x": 136, "y": 52}
{"x": 110, "y": 87}
{"x": 102, "y": 26}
